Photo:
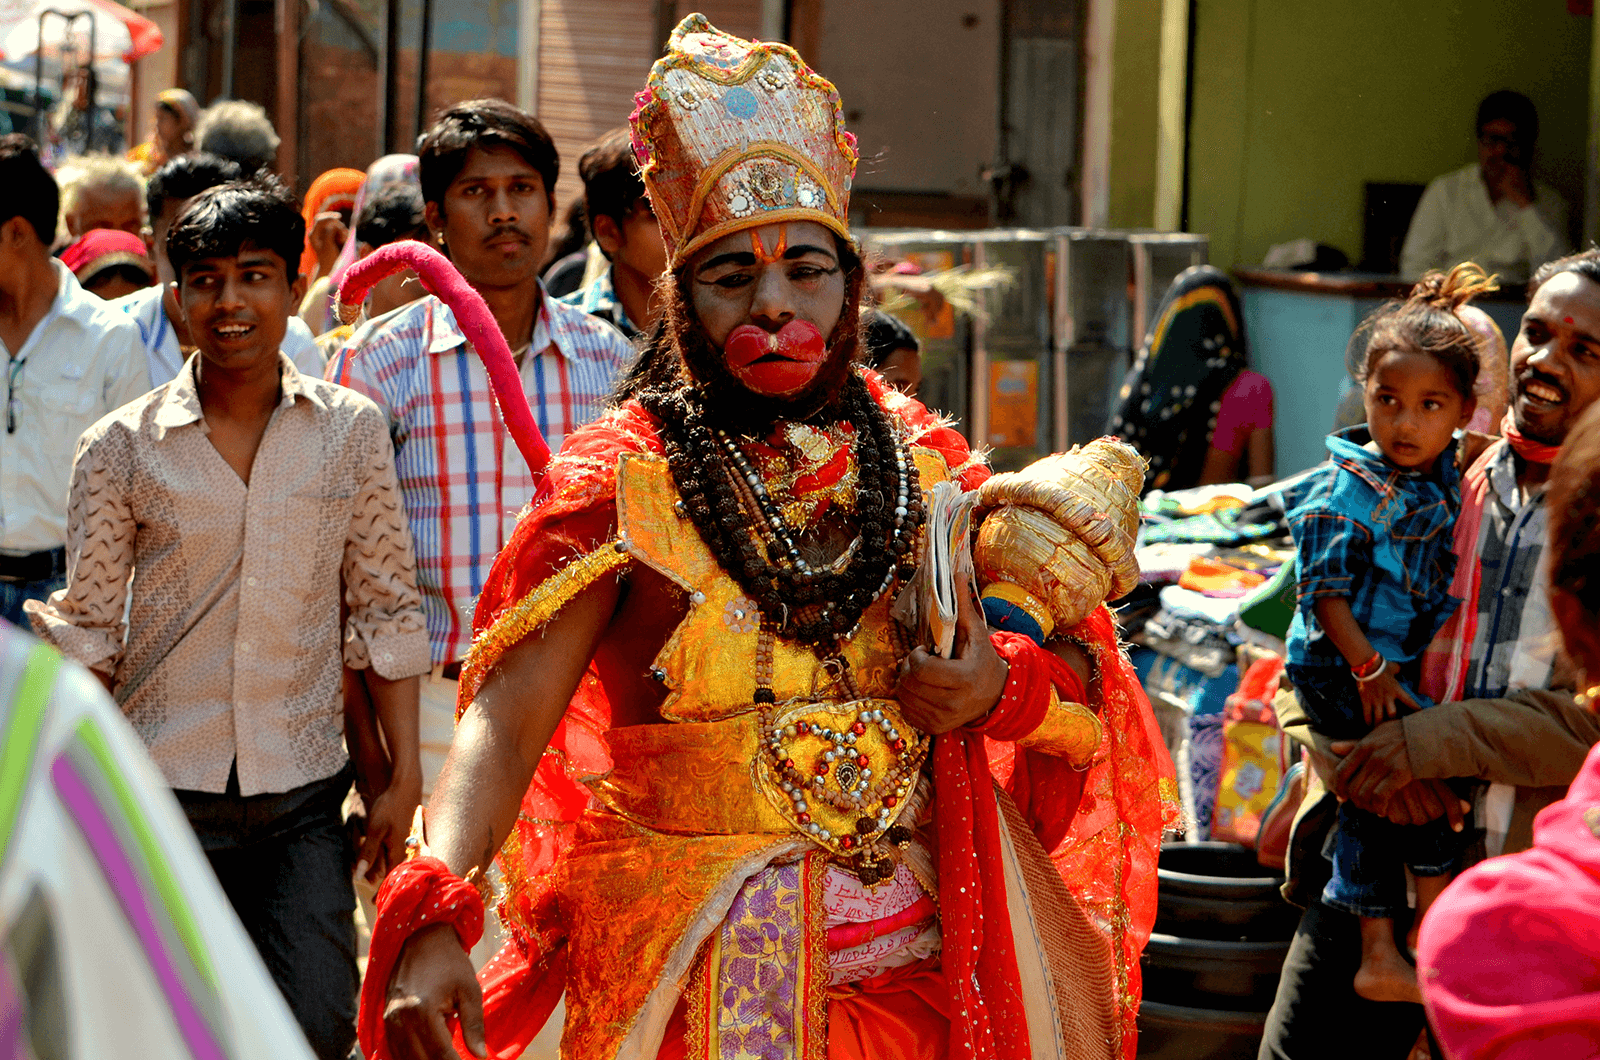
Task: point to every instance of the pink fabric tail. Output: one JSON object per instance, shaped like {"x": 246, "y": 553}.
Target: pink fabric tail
{"x": 476, "y": 322}
{"x": 1444, "y": 664}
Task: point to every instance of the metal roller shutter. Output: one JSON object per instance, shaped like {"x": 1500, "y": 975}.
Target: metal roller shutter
{"x": 593, "y": 56}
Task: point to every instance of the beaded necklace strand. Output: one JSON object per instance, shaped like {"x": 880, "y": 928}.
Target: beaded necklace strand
{"x": 723, "y": 493}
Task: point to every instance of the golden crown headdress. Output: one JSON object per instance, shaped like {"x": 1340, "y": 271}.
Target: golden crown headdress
{"x": 731, "y": 133}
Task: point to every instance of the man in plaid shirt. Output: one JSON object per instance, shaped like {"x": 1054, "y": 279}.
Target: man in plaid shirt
{"x": 487, "y": 171}
{"x": 1516, "y": 725}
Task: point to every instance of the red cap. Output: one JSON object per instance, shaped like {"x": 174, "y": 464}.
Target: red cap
{"x": 102, "y": 248}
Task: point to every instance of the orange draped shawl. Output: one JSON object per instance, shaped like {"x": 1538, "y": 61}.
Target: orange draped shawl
{"x": 1105, "y": 852}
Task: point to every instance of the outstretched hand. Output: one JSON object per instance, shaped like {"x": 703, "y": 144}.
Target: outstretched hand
{"x": 939, "y": 695}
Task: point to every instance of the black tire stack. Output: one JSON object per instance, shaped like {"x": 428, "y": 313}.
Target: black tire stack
{"x": 1211, "y": 966}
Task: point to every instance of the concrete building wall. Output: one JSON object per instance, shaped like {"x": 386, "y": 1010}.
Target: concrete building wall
{"x": 1295, "y": 106}
{"x": 920, "y": 84}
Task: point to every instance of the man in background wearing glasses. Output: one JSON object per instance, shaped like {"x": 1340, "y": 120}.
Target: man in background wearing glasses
{"x": 1492, "y": 211}
{"x": 70, "y": 358}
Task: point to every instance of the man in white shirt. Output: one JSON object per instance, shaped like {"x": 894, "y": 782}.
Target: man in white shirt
{"x": 155, "y": 309}
{"x": 70, "y": 359}
{"x": 1491, "y": 212}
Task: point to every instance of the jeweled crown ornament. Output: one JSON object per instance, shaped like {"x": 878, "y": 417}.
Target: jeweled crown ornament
{"x": 731, "y": 133}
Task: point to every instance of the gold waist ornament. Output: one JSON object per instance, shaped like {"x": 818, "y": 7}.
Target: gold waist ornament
{"x": 840, "y": 774}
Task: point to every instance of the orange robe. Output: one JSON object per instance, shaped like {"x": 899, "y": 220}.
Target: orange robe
{"x": 648, "y": 858}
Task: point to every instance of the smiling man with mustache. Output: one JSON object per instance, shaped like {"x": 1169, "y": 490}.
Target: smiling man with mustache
{"x": 738, "y": 810}
{"x": 1506, "y": 713}
{"x": 488, "y": 174}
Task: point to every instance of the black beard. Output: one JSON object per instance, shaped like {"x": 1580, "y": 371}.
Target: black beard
{"x": 731, "y": 404}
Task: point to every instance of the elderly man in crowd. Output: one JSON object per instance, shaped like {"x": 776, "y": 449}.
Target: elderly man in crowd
{"x": 98, "y": 191}
{"x": 71, "y": 358}
{"x": 487, "y": 170}
{"x": 1505, "y": 716}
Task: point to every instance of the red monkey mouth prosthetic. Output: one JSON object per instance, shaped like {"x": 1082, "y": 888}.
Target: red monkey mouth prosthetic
{"x": 776, "y": 364}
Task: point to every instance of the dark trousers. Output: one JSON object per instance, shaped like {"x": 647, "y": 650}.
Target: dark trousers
{"x": 1317, "y": 1014}
{"x": 285, "y": 862}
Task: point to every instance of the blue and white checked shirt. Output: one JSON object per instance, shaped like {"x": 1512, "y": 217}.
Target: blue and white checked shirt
{"x": 1380, "y": 536}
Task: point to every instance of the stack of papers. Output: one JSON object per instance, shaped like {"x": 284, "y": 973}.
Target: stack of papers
{"x": 928, "y": 605}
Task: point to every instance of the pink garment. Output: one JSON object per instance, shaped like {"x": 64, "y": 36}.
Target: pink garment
{"x": 1509, "y": 956}
{"x": 874, "y": 929}
{"x": 1246, "y": 407}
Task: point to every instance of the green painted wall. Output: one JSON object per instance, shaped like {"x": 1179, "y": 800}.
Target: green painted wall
{"x": 1135, "y": 63}
{"x": 1297, "y": 104}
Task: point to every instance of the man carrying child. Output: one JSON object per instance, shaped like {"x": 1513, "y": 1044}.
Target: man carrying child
{"x": 1504, "y": 716}
{"x": 1373, "y": 536}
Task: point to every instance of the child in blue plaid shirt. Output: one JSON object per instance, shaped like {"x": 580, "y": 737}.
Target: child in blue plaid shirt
{"x": 1373, "y": 535}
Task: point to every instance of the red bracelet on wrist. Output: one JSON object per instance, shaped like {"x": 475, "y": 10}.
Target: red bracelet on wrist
{"x": 416, "y": 894}
{"x": 1025, "y": 697}
{"x": 1371, "y": 668}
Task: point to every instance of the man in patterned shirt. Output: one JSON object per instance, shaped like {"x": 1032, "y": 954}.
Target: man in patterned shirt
{"x": 249, "y": 502}
{"x": 488, "y": 170}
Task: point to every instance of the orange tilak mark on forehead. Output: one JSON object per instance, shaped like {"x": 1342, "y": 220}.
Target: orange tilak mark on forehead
{"x": 762, "y": 257}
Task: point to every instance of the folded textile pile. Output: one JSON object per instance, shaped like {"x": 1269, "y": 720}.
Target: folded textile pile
{"x": 1216, "y": 568}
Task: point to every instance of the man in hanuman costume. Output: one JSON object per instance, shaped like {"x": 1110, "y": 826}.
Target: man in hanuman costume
{"x": 736, "y": 811}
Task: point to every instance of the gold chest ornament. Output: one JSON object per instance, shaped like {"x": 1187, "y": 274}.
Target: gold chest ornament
{"x": 833, "y": 754}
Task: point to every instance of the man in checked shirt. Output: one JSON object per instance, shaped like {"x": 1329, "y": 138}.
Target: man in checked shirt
{"x": 488, "y": 172}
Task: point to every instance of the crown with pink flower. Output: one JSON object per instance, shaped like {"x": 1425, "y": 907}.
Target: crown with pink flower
{"x": 731, "y": 133}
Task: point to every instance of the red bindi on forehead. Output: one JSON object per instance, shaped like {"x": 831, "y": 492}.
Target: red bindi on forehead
{"x": 1566, "y": 320}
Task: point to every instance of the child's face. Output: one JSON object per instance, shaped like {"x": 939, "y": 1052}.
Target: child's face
{"x": 238, "y": 308}
{"x": 1413, "y": 407}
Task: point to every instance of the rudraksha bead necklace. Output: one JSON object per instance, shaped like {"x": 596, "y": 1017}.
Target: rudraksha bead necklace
{"x": 723, "y": 493}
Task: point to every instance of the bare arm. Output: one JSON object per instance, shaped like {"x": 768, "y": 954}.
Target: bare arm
{"x": 1381, "y": 695}
{"x": 503, "y": 733}
{"x": 362, "y": 739}
{"x": 395, "y": 707}
{"x": 1219, "y": 467}
{"x": 498, "y": 743}
{"x": 1263, "y": 461}
{"x": 1333, "y": 614}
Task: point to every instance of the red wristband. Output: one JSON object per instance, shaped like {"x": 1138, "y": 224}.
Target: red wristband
{"x": 416, "y": 894}
{"x": 1026, "y": 695}
{"x": 1370, "y": 667}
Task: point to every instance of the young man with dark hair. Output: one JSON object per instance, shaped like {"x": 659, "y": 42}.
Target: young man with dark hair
{"x": 249, "y": 503}
{"x": 71, "y": 359}
{"x": 486, "y": 173}
{"x": 626, "y": 231}
{"x": 156, "y": 309}
{"x": 1492, "y": 211}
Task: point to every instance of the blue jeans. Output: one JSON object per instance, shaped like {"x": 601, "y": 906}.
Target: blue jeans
{"x": 12, "y": 594}
{"x": 1369, "y": 850}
